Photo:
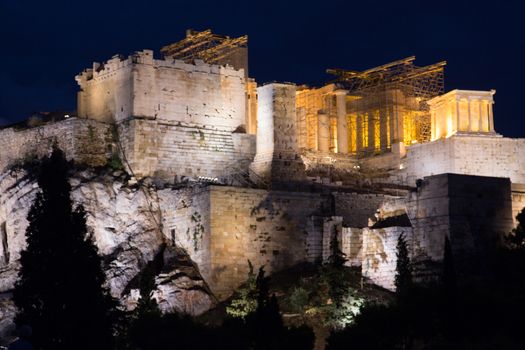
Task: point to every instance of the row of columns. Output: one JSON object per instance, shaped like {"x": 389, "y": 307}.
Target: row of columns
{"x": 484, "y": 116}
{"x": 323, "y": 127}
{"x": 462, "y": 111}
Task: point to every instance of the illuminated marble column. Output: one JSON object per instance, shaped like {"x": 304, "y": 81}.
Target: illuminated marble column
{"x": 342, "y": 123}
{"x": 491, "y": 117}
{"x": 457, "y": 114}
{"x": 480, "y": 116}
{"x": 469, "y": 117}
{"x": 323, "y": 131}
{"x": 359, "y": 132}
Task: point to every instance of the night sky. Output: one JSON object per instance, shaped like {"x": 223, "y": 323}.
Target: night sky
{"x": 46, "y": 43}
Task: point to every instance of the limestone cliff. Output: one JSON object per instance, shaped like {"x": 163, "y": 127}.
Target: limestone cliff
{"x": 125, "y": 221}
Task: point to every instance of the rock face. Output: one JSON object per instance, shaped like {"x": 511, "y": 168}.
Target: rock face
{"x": 125, "y": 222}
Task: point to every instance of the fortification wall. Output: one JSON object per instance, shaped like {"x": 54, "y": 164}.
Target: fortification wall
{"x": 106, "y": 90}
{"x": 277, "y": 158}
{"x": 186, "y": 219}
{"x": 85, "y": 141}
{"x": 472, "y": 211}
{"x": 352, "y": 245}
{"x": 379, "y": 252}
{"x": 357, "y": 208}
{"x": 170, "y": 90}
{"x": 167, "y": 150}
{"x": 269, "y": 228}
{"x": 481, "y": 155}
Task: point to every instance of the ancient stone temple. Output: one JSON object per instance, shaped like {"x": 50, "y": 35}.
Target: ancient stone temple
{"x": 225, "y": 171}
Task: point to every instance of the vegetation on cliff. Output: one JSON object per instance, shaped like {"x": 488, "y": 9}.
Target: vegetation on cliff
{"x": 60, "y": 292}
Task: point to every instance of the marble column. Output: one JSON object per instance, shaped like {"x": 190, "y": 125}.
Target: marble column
{"x": 342, "y": 123}
{"x": 323, "y": 131}
{"x": 491, "y": 117}
{"x": 480, "y": 116}
{"x": 457, "y": 115}
{"x": 469, "y": 127}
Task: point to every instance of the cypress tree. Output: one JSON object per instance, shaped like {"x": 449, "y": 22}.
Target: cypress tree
{"x": 517, "y": 237}
{"x": 265, "y": 325}
{"x": 337, "y": 258}
{"x": 403, "y": 281}
{"x": 146, "y": 319}
{"x": 60, "y": 291}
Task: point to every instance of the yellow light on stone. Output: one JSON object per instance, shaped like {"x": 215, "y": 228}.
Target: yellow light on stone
{"x": 449, "y": 126}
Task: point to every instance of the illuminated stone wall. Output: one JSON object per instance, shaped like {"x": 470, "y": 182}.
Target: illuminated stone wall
{"x": 223, "y": 227}
{"x": 186, "y": 219}
{"x": 269, "y": 228}
{"x": 86, "y": 141}
{"x": 473, "y": 211}
{"x": 277, "y": 158}
{"x": 174, "y": 119}
{"x": 379, "y": 254}
{"x": 140, "y": 86}
{"x": 170, "y": 150}
{"x": 466, "y": 154}
{"x": 352, "y": 245}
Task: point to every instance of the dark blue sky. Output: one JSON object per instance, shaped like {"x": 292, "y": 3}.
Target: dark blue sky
{"x": 46, "y": 43}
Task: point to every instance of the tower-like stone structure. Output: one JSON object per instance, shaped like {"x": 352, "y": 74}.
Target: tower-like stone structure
{"x": 277, "y": 157}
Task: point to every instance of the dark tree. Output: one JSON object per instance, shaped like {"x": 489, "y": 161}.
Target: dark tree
{"x": 146, "y": 320}
{"x": 403, "y": 281}
{"x": 337, "y": 258}
{"x": 147, "y": 305}
{"x": 373, "y": 320}
{"x": 449, "y": 272}
{"x": 517, "y": 238}
{"x": 60, "y": 291}
{"x": 333, "y": 277}
{"x": 265, "y": 324}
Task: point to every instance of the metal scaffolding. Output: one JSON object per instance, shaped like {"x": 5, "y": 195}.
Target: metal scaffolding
{"x": 389, "y": 103}
{"x": 209, "y": 47}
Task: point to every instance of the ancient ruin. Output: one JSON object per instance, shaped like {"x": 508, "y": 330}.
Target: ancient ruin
{"x": 224, "y": 170}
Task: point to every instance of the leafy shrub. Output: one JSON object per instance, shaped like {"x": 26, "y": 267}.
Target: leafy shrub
{"x": 299, "y": 299}
{"x": 245, "y": 300}
{"x": 115, "y": 162}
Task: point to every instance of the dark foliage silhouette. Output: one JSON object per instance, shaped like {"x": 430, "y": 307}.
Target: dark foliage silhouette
{"x": 403, "y": 280}
{"x": 60, "y": 291}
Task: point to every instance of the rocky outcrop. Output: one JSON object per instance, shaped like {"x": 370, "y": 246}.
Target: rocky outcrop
{"x": 124, "y": 220}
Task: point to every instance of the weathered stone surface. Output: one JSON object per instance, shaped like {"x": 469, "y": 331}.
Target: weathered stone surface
{"x": 125, "y": 223}
{"x": 473, "y": 212}
{"x": 180, "y": 287}
{"x": 84, "y": 140}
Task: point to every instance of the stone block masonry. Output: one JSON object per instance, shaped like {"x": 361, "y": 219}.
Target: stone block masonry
{"x": 352, "y": 245}
{"x": 277, "y": 158}
{"x": 380, "y": 254}
{"x": 268, "y": 228}
{"x": 186, "y": 223}
{"x": 469, "y": 154}
{"x": 357, "y": 208}
{"x": 175, "y": 150}
{"x": 474, "y": 212}
{"x": 86, "y": 141}
{"x": 170, "y": 90}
